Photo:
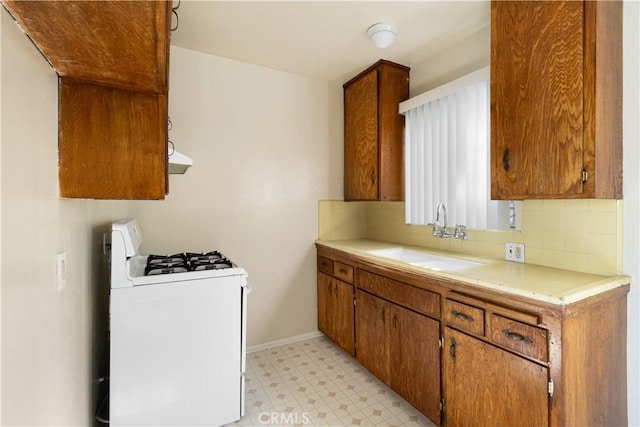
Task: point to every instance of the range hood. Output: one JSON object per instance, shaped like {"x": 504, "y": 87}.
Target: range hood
{"x": 178, "y": 162}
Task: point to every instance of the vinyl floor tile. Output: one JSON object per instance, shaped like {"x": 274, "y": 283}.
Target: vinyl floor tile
{"x": 315, "y": 383}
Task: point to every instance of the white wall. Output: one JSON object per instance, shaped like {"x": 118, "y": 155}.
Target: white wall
{"x": 631, "y": 237}
{"x": 260, "y": 146}
{"x": 469, "y": 54}
{"x": 51, "y": 340}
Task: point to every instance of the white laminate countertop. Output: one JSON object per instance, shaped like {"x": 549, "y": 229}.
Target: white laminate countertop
{"x": 552, "y": 285}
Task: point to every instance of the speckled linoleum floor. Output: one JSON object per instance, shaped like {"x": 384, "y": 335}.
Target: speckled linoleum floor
{"x": 315, "y": 383}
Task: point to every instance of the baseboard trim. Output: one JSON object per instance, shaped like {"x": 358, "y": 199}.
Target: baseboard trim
{"x": 284, "y": 341}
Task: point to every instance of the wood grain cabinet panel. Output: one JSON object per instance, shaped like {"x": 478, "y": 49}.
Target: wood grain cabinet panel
{"x": 520, "y": 337}
{"x": 373, "y": 133}
{"x": 325, "y": 265}
{"x": 420, "y": 300}
{"x": 486, "y": 386}
{"x": 464, "y": 317}
{"x": 401, "y": 348}
{"x": 415, "y": 361}
{"x": 343, "y": 271}
{"x": 335, "y": 311}
{"x": 373, "y": 335}
{"x": 111, "y": 142}
{"x": 556, "y": 90}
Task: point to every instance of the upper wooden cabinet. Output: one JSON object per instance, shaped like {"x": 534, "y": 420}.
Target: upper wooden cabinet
{"x": 113, "y": 60}
{"x": 373, "y": 133}
{"x": 556, "y": 99}
{"x": 112, "y": 142}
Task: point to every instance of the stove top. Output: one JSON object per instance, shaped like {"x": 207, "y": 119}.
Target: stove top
{"x": 185, "y": 262}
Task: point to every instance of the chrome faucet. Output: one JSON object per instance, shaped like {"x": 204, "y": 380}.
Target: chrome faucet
{"x": 442, "y": 232}
{"x": 438, "y": 210}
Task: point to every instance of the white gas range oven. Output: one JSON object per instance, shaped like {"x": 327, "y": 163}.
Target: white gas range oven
{"x": 177, "y": 336}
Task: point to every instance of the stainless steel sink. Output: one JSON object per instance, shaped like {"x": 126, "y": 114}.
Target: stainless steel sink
{"x": 421, "y": 259}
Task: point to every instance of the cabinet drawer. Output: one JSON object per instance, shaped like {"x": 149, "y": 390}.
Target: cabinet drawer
{"x": 464, "y": 317}
{"x": 343, "y": 272}
{"x": 421, "y": 300}
{"x": 526, "y": 339}
{"x": 325, "y": 265}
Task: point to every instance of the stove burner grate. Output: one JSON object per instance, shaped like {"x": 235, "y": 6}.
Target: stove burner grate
{"x": 189, "y": 261}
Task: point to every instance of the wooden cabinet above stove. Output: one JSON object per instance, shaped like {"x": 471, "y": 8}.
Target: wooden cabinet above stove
{"x": 113, "y": 61}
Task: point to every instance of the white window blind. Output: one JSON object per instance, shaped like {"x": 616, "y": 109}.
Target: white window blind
{"x": 447, "y": 154}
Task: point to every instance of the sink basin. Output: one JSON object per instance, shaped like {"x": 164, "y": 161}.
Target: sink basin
{"x": 421, "y": 259}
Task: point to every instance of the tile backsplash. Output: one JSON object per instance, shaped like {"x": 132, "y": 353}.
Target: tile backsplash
{"x": 579, "y": 235}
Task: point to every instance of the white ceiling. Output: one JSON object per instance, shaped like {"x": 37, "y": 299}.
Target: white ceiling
{"x": 324, "y": 39}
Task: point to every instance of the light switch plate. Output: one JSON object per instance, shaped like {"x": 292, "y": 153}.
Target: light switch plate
{"x": 61, "y": 270}
{"x": 514, "y": 252}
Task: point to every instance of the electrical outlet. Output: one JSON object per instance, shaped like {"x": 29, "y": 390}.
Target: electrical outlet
{"x": 514, "y": 252}
{"x": 61, "y": 270}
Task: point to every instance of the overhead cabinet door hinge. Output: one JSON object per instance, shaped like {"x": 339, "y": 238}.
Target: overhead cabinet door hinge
{"x": 441, "y": 342}
{"x": 585, "y": 176}
{"x": 550, "y": 387}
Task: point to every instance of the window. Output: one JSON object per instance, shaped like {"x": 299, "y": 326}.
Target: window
{"x": 447, "y": 155}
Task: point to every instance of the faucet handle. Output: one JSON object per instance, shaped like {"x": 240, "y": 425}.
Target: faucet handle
{"x": 460, "y": 232}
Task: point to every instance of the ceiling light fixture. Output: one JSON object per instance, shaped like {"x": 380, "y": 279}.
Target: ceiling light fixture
{"x": 382, "y": 34}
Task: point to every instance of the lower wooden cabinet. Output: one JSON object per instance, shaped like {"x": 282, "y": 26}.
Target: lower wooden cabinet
{"x": 401, "y": 348}
{"x": 335, "y": 311}
{"x": 486, "y": 386}
{"x": 373, "y": 335}
{"x": 467, "y": 356}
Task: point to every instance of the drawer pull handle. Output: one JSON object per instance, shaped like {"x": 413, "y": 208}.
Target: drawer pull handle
{"x": 517, "y": 337}
{"x": 462, "y": 316}
{"x": 343, "y": 271}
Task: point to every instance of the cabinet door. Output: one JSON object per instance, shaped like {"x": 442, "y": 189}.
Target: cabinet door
{"x": 324, "y": 305}
{"x": 537, "y": 92}
{"x": 486, "y": 386}
{"x": 372, "y": 335}
{"x": 416, "y": 361}
{"x": 335, "y": 311}
{"x": 112, "y": 142}
{"x": 343, "y": 326}
{"x": 361, "y": 138}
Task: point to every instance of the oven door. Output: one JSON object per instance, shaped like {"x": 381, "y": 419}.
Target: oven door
{"x": 176, "y": 353}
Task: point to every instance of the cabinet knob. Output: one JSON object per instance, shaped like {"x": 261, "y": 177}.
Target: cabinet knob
{"x": 373, "y": 177}
{"x": 505, "y": 159}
